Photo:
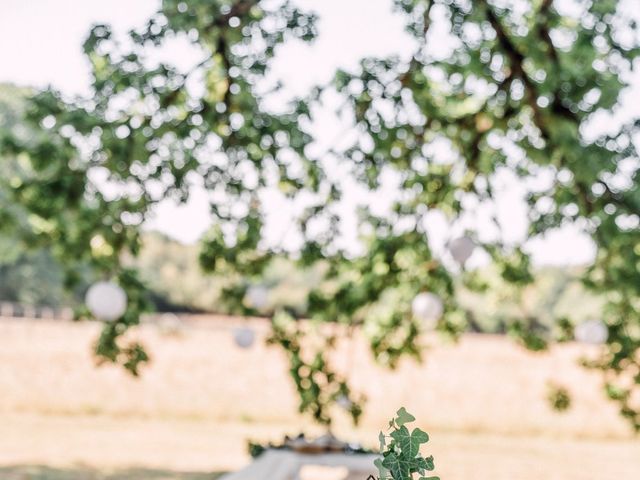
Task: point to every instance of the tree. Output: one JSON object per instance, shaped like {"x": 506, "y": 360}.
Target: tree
{"x": 516, "y": 91}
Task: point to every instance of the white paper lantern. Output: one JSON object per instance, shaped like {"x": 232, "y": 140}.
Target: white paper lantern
{"x": 428, "y": 308}
{"x": 594, "y": 332}
{"x": 170, "y": 324}
{"x": 106, "y": 301}
{"x": 343, "y": 402}
{"x": 461, "y": 249}
{"x": 244, "y": 337}
{"x": 257, "y": 297}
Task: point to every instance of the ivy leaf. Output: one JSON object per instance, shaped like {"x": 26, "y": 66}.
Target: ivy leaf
{"x": 382, "y": 471}
{"x": 410, "y": 442}
{"x": 397, "y": 465}
{"x": 421, "y": 464}
{"x": 382, "y": 441}
{"x": 420, "y": 436}
{"x": 403, "y": 417}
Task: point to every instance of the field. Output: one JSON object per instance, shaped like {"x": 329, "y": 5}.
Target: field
{"x": 483, "y": 400}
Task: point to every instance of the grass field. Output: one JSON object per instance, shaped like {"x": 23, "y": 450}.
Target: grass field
{"x": 191, "y": 413}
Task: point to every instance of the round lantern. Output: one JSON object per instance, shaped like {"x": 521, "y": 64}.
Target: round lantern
{"x": 594, "y": 332}
{"x": 461, "y": 249}
{"x": 257, "y": 297}
{"x": 428, "y": 308}
{"x": 170, "y": 324}
{"x": 343, "y": 402}
{"x": 244, "y": 337}
{"x": 106, "y": 301}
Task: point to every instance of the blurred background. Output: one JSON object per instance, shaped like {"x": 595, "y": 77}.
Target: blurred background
{"x": 227, "y": 221}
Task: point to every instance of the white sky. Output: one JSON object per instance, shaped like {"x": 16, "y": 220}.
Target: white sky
{"x": 41, "y": 44}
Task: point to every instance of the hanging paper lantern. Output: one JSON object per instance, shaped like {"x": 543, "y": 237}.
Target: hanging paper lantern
{"x": 106, "y": 301}
{"x": 461, "y": 249}
{"x": 257, "y": 297}
{"x": 244, "y": 337}
{"x": 594, "y": 332}
{"x": 343, "y": 402}
{"x": 428, "y": 308}
{"x": 170, "y": 324}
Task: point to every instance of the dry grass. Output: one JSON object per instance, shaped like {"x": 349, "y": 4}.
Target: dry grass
{"x": 43, "y": 472}
{"x": 482, "y": 399}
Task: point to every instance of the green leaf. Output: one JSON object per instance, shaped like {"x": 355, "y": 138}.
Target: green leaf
{"x": 420, "y": 435}
{"x": 382, "y": 471}
{"x": 382, "y": 441}
{"x": 421, "y": 464}
{"x": 397, "y": 465}
{"x": 410, "y": 442}
{"x": 403, "y": 417}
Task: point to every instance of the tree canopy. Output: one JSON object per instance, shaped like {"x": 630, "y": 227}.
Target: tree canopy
{"x": 492, "y": 86}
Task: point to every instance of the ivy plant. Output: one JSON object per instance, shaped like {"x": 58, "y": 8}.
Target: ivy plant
{"x": 400, "y": 448}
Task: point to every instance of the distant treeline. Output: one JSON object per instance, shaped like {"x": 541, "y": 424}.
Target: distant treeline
{"x": 176, "y": 283}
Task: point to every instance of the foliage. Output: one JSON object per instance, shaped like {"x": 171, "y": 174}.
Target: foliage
{"x": 27, "y": 276}
{"x": 492, "y": 88}
{"x": 173, "y": 270}
{"x": 400, "y": 449}
{"x": 517, "y": 93}
{"x": 559, "y": 397}
{"x": 317, "y": 384}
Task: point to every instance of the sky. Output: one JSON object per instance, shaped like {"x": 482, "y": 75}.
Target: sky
{"x": 45, "y": 48}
